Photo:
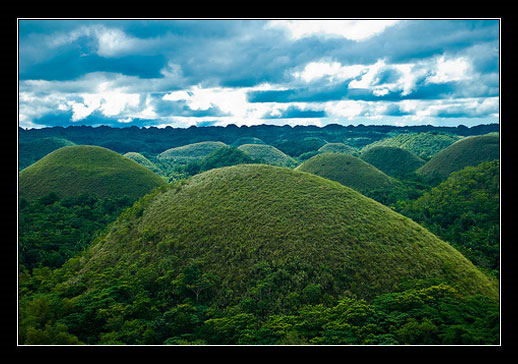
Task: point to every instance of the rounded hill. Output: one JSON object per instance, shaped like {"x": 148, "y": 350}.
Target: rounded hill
{"x": 190, "y": 152}
{"x": 250, "y": 231}
{"x": 246, "y": 140}
{"x": 268, "y": 154}
{"x": 469, "y": 151}
{"x": 424, "y": 145}
{"x": 350, "y": 171}
{"x": 393, "y": 161}
{"x": 140, "y": 159}
{"x": 337, "y": 148}
{"x": 74, "y": 170}
{"x": 32, "y": 151}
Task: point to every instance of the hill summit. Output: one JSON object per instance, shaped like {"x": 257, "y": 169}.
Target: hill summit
{"x": 352, "y": 172}
{"x": 74, "y": 170}
{"x": 469, "y": 151}
{"x": 251, "y": 230}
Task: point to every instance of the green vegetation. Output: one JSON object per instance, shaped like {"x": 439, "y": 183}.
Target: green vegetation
{"x": 76, "y": 170}
{"x": 31, "y": 151}
{"x": 222, "y": 157}
{"x": 247, "y": 253}
{"x": 191, "y": 152}
{"x": 393, "y": 161}
{"x": 424, "y": 145}
{"x": 295, "y": 148}
{"x": 338, "y": 148}
{"x": 469, "y": 151}
{"x": 247, "y": 140}
{"x": 465, "y": 211}
{"x": 260, "y": 254}
{"x": 268, "y": 154}
{"x": 140, "y": 159}
{"x": 52, "y": 230}
{"x": 357, "y": 174}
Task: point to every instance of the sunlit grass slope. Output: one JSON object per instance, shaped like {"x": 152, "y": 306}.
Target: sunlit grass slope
{"x": 251, "y": 229}
{"x": 140, "y": 159}
{"x": 393, "y": 161}
{"x": 349, "y": 171}
{"x": 338, "y": 148}
{"x": 74, "y": 170}
{"x": 191, "y": 152}
{"x": 246, "y": 140}
{"x": 424, "y": 145}
{"x": 469, "y": 151}
{"x": 32, "y": 151}
{"x": 268, "y": 154}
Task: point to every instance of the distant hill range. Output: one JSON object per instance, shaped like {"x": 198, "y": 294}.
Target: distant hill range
{"x": 157, "y": 140}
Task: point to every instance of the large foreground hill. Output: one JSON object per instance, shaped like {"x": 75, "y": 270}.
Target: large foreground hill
{"x": 243, "y": 226}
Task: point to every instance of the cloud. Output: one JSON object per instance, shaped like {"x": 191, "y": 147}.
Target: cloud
{"x": 356, "y": 30}
{"x": 292, "y": 112}
{"x": 184, "y": 72}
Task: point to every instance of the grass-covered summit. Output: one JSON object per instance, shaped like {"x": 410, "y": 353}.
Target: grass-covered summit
{"x": 469, "y": 151}
{"x": 351, "y": 172}
{"x": 268, "y": 154}
{"x": 190, "y": 152}
{"x": 33, "y": 150}
{"x": 142, "y": 160}
{"x": 246, "y": 140}
{"x": 239, "y": 233}
{"x": 424, "y": 145}
{"x": 393, "y": 161}
{"x": 338, "y": 148}
{"x": 84, "y": 169}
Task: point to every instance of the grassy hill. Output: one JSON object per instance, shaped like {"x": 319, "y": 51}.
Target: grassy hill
{"x": 75, "y": 170}
{"x": 393, "y": 161}
{"x": 469, "y": 151}
{"x": 140, "y": 159}
{"x": 424, "y": 145}
{"x": 353, "y": 172}
{"x": 33, "y": 150}
{"x": 246, "y": 140}
{"x": 268, "y": 154}
{"x": 189, "y": 153}
{"x": 338, "y": 148}
{"x": 253, "y": 231}
{"x": 465, "y": 211}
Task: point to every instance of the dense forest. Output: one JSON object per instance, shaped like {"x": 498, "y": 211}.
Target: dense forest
{"x": 252, "y": 241}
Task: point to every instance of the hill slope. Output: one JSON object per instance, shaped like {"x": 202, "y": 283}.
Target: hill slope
{"x": 32, "y": 151}
{"x": 140, "y": 159}
{"x": 189, "y": 153}
{"x": 246, "y": 140}
{"x": 252, "y": 230}
{"x": 338, "y": 148}
{"x": 469, "y": 151}
{"x": 393, "y": 161}
{"x": 352, "y": 172}
{"x": 465, "y": 211}
{"x": 424, "y": 145}
{"x": 268, "y": 154}
{"x": 74, "y": 170}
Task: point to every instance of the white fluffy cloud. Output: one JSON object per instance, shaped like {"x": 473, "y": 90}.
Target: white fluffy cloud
{"x": 351, "y": 29}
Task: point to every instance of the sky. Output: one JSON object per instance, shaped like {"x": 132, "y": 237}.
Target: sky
{"x": 202, "y": 72}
